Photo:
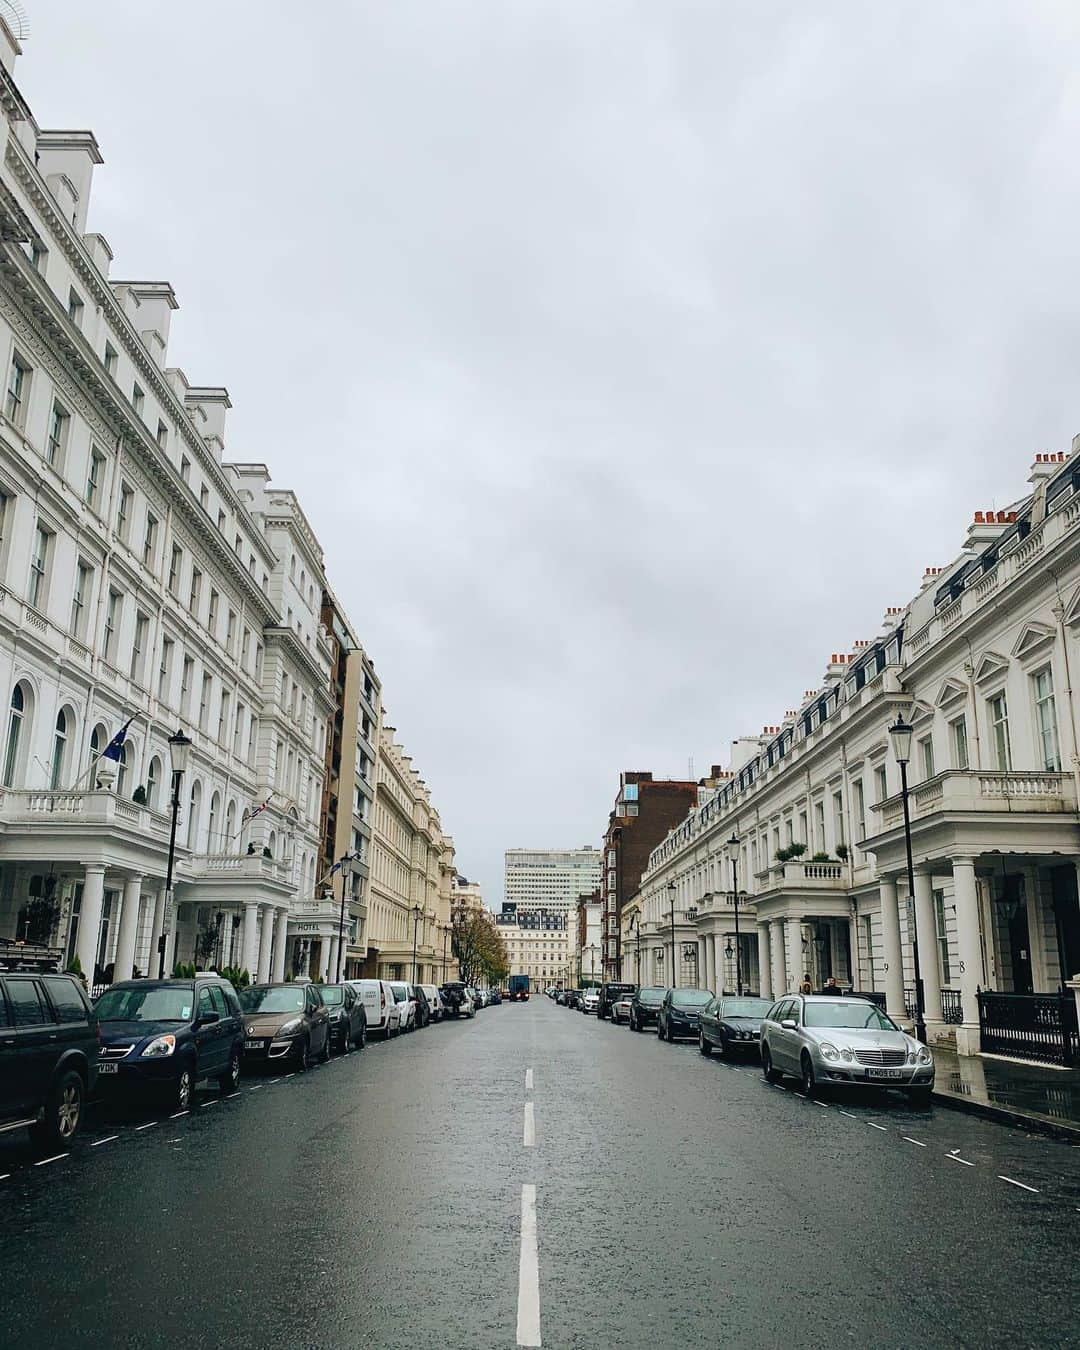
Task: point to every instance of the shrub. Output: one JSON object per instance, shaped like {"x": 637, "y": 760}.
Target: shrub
{"x": 821, "y": 857}
{"x": 842, "y": 852}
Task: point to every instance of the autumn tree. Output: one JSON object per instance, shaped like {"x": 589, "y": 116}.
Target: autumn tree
{"x": 478, "y": 947}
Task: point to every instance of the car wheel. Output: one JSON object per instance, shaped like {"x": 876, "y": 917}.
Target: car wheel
{"x": 919, "y": 1096}
{"x": 703, "y": 1045}
{"x": 659, "y": 1031}
{"x": 809, "y": 1082}
{"x": 324, "y": 1058}
{"x": 63, "y": 1111}
{"x": 231, "y": 1077}
{"x": 304, "y": 1061}
{"x": 361, "y": 1040}
{"x": 183, "y": 1089}
{"x": 769, "y": 1073}
{"x": 723, "y": 1046}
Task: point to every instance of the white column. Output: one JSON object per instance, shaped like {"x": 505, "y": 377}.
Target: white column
{"x": 333, "y": 962}
{"x": 796, "y": 963}
{"x": 714, "y": 969}
{"x": 93, "y": 897}
{"x": 156, "y": 923}
{"x": 926, "y": 931}
{"x": 776, "y": 946}
{"x": 893, "y": 960}
{"x": 249, "y": 959}
{"x": 129, "y": 928}
{"x": 764, "y": 964}
{"x": 966, "y": 897}
{"x": 266, "y": 938}
{"x": 324, "y": 959}
{"x": 280, "y": 938}
{"x": 853, "y": 953}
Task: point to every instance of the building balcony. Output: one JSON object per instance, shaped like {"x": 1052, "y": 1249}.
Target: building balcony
{"x": 232, "y": 868}
{"x": 967, "y": 791}
{"x": 798, "y": 875}
{"x": 43, "y": 811}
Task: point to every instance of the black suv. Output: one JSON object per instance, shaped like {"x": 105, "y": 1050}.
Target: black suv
{"x": 48, "y": 1053}
{"x": 645, "y": 1007}
{"x": 167, "y": 1035}
{"x": 609, "y": 994}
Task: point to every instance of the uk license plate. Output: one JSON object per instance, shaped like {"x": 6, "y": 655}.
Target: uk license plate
{"x": 254, "y": 1045}
{"x": 883, "y": 1073}
{"x": 108, "y": 1068}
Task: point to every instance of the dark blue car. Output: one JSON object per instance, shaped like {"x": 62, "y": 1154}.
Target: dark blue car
{"x": 165, "y": 1036}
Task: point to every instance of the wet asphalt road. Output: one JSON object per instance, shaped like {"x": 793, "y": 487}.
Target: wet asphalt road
{"x": 377, "y": 1200}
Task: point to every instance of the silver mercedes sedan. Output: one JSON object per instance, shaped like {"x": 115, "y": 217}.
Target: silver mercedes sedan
{"x": 821, "y": 1039}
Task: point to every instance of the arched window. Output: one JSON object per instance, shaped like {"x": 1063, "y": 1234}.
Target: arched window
{"x": 271, "y": 843}
{"x": 60, "y": 747}
{"x": 229, "y": 843}
{"x": 194, "y": 806}
{"x": 153, "y": 783}
{"x": 213, "y": 843}
{"x": 122, "y": 769}
{"x": 18, "y": 733}
{"x": 99, "y": 739}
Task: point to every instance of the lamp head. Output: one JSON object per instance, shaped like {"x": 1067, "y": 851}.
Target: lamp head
{"x": 179, "y": 751}
{"x": 900, "y": 734}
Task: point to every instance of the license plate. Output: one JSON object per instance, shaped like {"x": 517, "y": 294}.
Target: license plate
{"x": 254, "y": 1045}
{"x": 884, "y": 1073}
{"x": 108, "y": 1068}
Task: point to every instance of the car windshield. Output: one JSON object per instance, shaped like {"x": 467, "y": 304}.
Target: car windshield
{"x": 332, "y": 995}
{"x": 166, "y": 1003}
{"x": 653, "y": 995}
{"x": 745, "y": 1007}
{"x": 690, "y": 998}
{"x": 617, "y": 990}
{"x": 853, "y": 1016}
{"x": 271, "y": 999}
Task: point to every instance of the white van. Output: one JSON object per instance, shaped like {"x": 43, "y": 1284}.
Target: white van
{"x": 380, "y": 1006}
{"x": 434, "y": 1001}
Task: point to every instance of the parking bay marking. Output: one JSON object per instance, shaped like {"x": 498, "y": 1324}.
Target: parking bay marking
{"x": 1023, "y": 1185}
{"x": 107, "y": 1140}
{"x": 955, "y": 1156}
{"x": 55, "y": 1158}
{"x": 529, "y": 1134}
{"x": 528, "y": 1315}
{"x": 874, "y": 1126}
{"x": 148, "y": 1126}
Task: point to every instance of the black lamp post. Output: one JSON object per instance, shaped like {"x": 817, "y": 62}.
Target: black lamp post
{"x": 179, "y": 751}
{"x": 345, "y": 863}
{"x": 445, "y": 939}
{"x": 900, "y": 732}
{"x": 672, "y": 888}
{"x": 635, "y": 924}
{"x": 733, "y": 854}
{"x": 416, "y": 913}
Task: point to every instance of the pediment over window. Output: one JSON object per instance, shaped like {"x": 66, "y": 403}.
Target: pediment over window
{"x": 1036, "y": 637}
{"x": 951, "y": 691}
{"x": 920, "y": 712}
{"x": 990, "y": 665}
{"x": 1072, "y": 610}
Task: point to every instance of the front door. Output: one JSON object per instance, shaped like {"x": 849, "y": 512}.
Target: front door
{"x": 1067, "y": 921}
{"x": 1019, "y": 937}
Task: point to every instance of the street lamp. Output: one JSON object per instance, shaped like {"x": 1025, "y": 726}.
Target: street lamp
{"x": 672, "y": 888}
{"x": 179, "y": 752}
{"x": 901, "y": 732}
{"x": 416, "y": 913}
{"x": 733, "y": 853}
{"x": 347, "y": 863}
{"x": 635, "y": 924}
{"x": 445, "y": 939}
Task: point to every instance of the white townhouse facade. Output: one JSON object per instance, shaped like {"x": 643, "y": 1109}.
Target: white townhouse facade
{"x": 982, "y": 664}
{"x": 143, "y": 581}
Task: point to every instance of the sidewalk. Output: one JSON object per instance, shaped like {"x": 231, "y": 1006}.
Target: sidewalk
{"x": 1021, "y": 1094}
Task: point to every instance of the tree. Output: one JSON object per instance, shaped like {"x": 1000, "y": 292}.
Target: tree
{"x": 478, "y": 948}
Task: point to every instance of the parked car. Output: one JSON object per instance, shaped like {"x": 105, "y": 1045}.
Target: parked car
{"x": 423, "y": 1008}
{"x": 494, "y": 997}
{"x": 457, "y": 1000}
{"x": 732, "y": 1024}
{"x": 573, "y": 998}
{"x": 608, "y": 994}
{"x": 679, "y": 1013}
{"x": 821, "y": 1040}
{"x": 590, "y": 1001}
{"x": 645, "y": 1006}
{"x": 348, "y": 1020}
{"x": 48, "y": 1054}
{"x": 620, "y": 1008}
{"x": 380, "y": 1007}
{"x": 478, "y": 997}
{"x": 285, "y": 1023}
{"x": 406, "y": 1001}
{"x": 166, "y": 1036}
{"x": 435, "y": 1004}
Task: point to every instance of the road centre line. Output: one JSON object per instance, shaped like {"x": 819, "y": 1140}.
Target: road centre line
{"x": 528, "y": 1315}
{"x": 877, "y": 1127}
{"x": 148, "y": 1126}
{"x": 107, "y": 1140}
{"x": 908, "y": 1139}
{"x": 55, "y": 1158}
{"x": 817, "y": 1103}
{"x": 1023, "y": 1185}
{"x": 529, "y": 1133}
{"x": 956, "y": 1158}
{"x": 849, "y": 1115}
{"x": 178, "y": 1115}
{"x": 528, "y": 1080}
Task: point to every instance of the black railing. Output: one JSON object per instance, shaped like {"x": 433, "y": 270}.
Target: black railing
{"x": 952, "y": 1010}
{"x": 1030, "y": 1026}
{"x": 875, "y": 996}
{"x": 911, "y": 1006}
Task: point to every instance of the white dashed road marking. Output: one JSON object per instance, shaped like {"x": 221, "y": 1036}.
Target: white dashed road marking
{"x": 849, "y": 1115}
{"x": 528, "y": 1318}
{"x": 107, "y": 1140}
{"x": 529, "y": 1134}
{"x": 55, "y": 1158}
{"x": 148, "y": 1126}
{"x": 528, "y": 1080}
{"x": 956, "y": 1158}
{"x": 874, "y": 1126}
{"x": 908, "y": 1139}
{"x": 1023, "y": 1185}
{"x": 177, "y": 1115}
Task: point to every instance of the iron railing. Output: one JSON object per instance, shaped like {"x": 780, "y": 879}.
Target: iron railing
{"x": 1030, "y": 1026}
{"x": 952, "y": 1010}
{"x": 911, "y": 1005}
{"x": 875, "y": 996}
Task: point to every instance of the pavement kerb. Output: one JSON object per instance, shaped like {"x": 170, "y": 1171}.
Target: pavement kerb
{"x": 1028, "y": 1120}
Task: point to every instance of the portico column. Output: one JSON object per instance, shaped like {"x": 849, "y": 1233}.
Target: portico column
{"x": 795, "y": 962}
{"x": 765, "y": 986}
{"x": 853, "y": 953}
{"x": 714, "y": 970}
{"x": 93, "y": 897}
{"x": 332, "y": 975}
{"x": 891, "y": 952}
{"x": 129, "y": 927}
{"x": 156, "y": 925}
{"x": 926, "y": 929}
{"x": 776, "y": 946}
{"x": 324, "y": 959}
{"x": 281, "y": 935}
{"x": 966, "y": 897}
{"x": 266, "y": 938}
{"x": 249, "y": 958}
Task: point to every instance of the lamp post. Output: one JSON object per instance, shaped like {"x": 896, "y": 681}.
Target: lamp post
{"x": 733, "y": 855}
{"x": 416, "y": 913}
{"x": 635, "y": 924}
{"x": 345, "y": 863}
{"x": 445, "y": 939}
{"x": 900, "y": 733}
{"x": 672, "y": 888}
{"x": 179, "y": 751}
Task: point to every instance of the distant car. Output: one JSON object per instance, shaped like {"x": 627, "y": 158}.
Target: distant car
{"x": 645, "y": 1006}
{"x": 590, "y": 1001}
{"x": 821, "y": 1039}
{"x": 380, "y": 1007}
{"x": 608, "y": 994}
{"x": 348, "y": 1020}
{"x": 405, "y": 998}
{"x": 48, "y": 1055}
{"x": 620, "y": 1009}
{"x": 732, "y": 1025}
{"x": 435, "y": 1006}
{"x": 166, "y": 1036}
{"x": 574, "y": 1001}
{"x": 285, "y": 1023}
{"x": 479, "y": 997}
{"x": 680, "y": 1013}
{"x": 494, "y": 997}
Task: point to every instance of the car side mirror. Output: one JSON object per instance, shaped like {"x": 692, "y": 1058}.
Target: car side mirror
{"x": 208, "y": 1018}
{"x": 789, "y": 1024}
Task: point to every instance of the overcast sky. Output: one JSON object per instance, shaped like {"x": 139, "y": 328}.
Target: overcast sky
{"x": 629, "y": 358}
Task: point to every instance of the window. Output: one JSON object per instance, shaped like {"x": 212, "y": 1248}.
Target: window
{"x": 1042, "y": 684}
{"x": 253, "y": 731}
{"x": 153, "y": 778}
{"x": 138, "y": 399}
{"x": 196, "y": 587}
{"x": 59, "y": 755}
{"x": 18, "y": 390}
{"x": 123, "y": 514}
{"x": 230, "y": 633}
{"x": 15, "y": 727}
{"x": 881, "y": 783}
{"x": 819, "y": 821}
{"x": 204, "y": 497}
{"x": 112, "y": 623}
{"x": 212, "y": 616}
{"x": 59, "y": 421}
{"x": 111, "y": 359}
{"x": 860, "y": 810}
{"x": 176, "y": 562}
{"x": 838, "y": 817}
{"x": 223, "y": 717}
{"x": 804, "y": 828}
{"x": 926, "y": 755}
{"x": 76, "y": 308}
{"x": 186, "y": 675}
{"x": 238, "y": 544}
{"x": 238, "y": 729}
{"x": 39, "y": 563}
{"x": 959, "y": 742}
{"x": 998, "y": 710}
{"x": 138, "y": 645}
{"x": 942, "y": 940}
{"x": 94, "y": 476}
{"x": 165, "y": 668}
{"x": 162, "y": 434}
{"x": 185, "y": 468}
{"x": 221, "y": 522}
{"x": 204, "y": 700}
{"x": 245, "y": 646}
{"x": 26, "y": 1006}
{"x": 84, "y": 580}
{"x": 37, "y": 253}
{"x": 149, "y": 549}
